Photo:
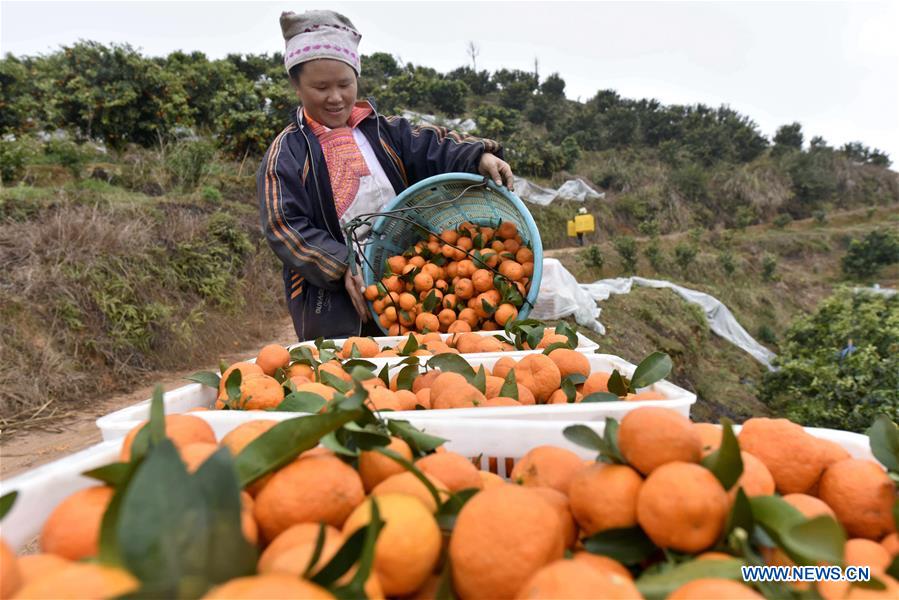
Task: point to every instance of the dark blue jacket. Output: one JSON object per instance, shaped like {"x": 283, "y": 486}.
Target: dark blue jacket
{"x": 299, "y": 219}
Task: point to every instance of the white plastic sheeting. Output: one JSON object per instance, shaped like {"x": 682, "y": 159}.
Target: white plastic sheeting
{"x": 573, "y": 189}
{"x": 561, "y": 296}
{"x": 466, "y": 126}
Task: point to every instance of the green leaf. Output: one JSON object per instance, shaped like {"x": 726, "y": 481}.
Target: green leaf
{"x": 740, "y": 515}
{"x": 570, "y": 390}
{"x": 305, "y": 402}
{"x": 207, "y": 378}
{"x": 302, "y": 355}
{"x": 510, "y": 386}
{"x": 628, "y": 546}
{"x": 651, "y": 369}
{"x": 109, "y": 553}
{"x": 410, "y": 346}
{"x": 358, "y": 363}
{"x": 576, "y": 378}
{"x": 420, "y": 442}
{"x": 555, "y": 346}
{"x": 584, "y": 437}
{"x": 162, "y": 527}
{"x": 7, "y": 501}
{"x": 286, "y": 440}
{"x": 893, "y": 569}
{"x": 452, "y": 363}
{"x": 618, "y": 384}
{"x": 359, "y": 547}
{"x": 317, "y": 552}
{"x": 430, "y": 301}
{"x": 229, "y": 554}
{"x": 384, "y": 375}
{"x": 114, "y": 474}
{"x": 884, "y": 439}
{"x": 223, "y": 366}
{"x": 488, "y": 308}
{"x": 657, "y": 586}
{"x": 232, "y": 389}
{"x": 611, "y": 453}
{"x": 806, "y": 542}
{"x": 368, "y": 437}
{"x": 449, "y": 510}
{"x": 157, "y": 416}
{"x": 480, "y": 380}
{"x": 332, "y": 380}
{"x": 406, "y": 377}
{"x": 726, "y": 463}
{"x": 564, "y": 328}
{"x": 445, "y": 585}
{"x": 600, "y": 397}
{"x": 354, "y": 351}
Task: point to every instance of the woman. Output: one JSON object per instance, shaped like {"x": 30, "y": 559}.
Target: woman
{"x": 339, "y": 158}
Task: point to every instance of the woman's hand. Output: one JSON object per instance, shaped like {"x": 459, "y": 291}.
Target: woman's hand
{"x": 496, "y": 169}
{"x": 354, "y": 287}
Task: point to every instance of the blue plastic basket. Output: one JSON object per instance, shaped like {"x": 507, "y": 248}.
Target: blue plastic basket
{"x": 482, "y": 205}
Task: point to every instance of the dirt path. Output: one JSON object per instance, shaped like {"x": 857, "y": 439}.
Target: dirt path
{"x": 22, "y": 450}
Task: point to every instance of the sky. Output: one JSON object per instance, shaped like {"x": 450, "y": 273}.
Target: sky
{"x": 832, "y": 66}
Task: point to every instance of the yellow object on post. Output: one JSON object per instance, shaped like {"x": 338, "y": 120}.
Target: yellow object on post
{"x": 572, "y": 229}
{"x": 583, "y": 224}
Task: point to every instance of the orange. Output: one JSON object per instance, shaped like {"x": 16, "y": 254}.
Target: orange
{"x": 425, "y": 380}
{"x": 502, "y": 367}
{"x": 649, "y": 437}
{"x": 559, "y": 502}
{"x": 465, "y": 268}
{"x": 181, "y": 429}
{"x": 511, "y": 270}
{"x": 380, "y": 398}
{"x": 507, "y": 230}
{"x": 539, "y": 374}
{"x": 449, "y": 236}
{"x": 246, "y": 370}
{"x": 570, "y": 362}
{"x": 683, "y": 507}
{"x": 603, "y": 563}
{"x": 756, "y": 479}
{"x": 335, "y": 368}
{"x": 459, "y": 326}
{"x": 500, "y": 401}
{"x": 310, "y": 489}
{"x": 713, "y": 589}
{"x": 862, "y": 495}
{"x": 604, "y": 497}
{"x": 463, "y": 289}
{"x": 407, "y": 483}
{"x": 489, "y": 479}
{"x": 644, "y": 396}
{"x": 423, "y": 282}
{"x": 861, "y": 552}
{"x": 408, "y": 546}
{"x": 196, "y": 454}
{"x": 511, "y": 247}
{"x": 709, "y": 435}
{"x": 247, "y": 523}
{"x": 528, "y": 269}
{"x": 525, "y": 396}
{"x": 73, "y": 528}
{"x": 371, "y": 293}
{"x": 11, "y": 577}
{"x": 446, "y": 317}
{"x": 300, "y": 370}
{"x": 547, "y": 466}
{"x": 454, "y": 470}
{"x": 809, "y": 506}
{"x": 296, "y": 535}
{"x": 494, "y": 385}
{"x": 891, "y": 543}
{"x": 552, "y": 338}
{"x": 576, "y": 579}
{"x": 482, "y": 279}
{"x": 468, "y": 343}
{"x": 427, "y": 322}
{"x": 505, "y": 313}
{"x": 524, "y": 255}
{"x": 393, "y": 284}
{"x": 469, "y": 316}
{"x": 258, "y": 392}
{"x": 35, "y": 566}
{"x": 423, "y": 398}
{"x": 271, "y": 585}
{"x": 375, "y": 467}
{"x": 273, "y": 357}
{"x": 451, "y": 390}
{"x": 396, "y": 264}
{"x": 794, "y": 458}
{"x": 365, "y": 346}
{"x": 81, "y": 580}
{"x": 240, "y": 437}
{"x": 502, "y": 536}
{"x": 596, "y": 382}
{"x": 406, "y": 399}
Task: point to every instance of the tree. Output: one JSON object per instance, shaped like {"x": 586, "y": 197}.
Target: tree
{"x": 788, "y": 137}
{"x": 473, "y": 52}
{"x": 553, "y": 86}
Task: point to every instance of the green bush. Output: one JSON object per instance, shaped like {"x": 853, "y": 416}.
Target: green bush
{"x": 839, "y": 367}
{"x": 684, "y": 255}
{"x": 865, "y": 257}
{"x": 769, "y": 267}
{"x": 726, "y": 260}
{"x": 626, "y": 247}
{"x": 13, "y": 156}
{"x": 187, "y": 162}
{"x": 653, "y": 253}
{"x": 211, "y": 194}
{"x": 766, "y": 334}
{"x": 820, "y": 216}
{"x": 782, "y": 220}
{"x": 592, "y": 257}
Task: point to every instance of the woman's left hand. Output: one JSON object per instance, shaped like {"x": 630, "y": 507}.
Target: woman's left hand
{"x": 496, "y": 169}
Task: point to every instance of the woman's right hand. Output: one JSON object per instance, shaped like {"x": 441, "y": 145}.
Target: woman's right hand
{"x": 355, "y": 286}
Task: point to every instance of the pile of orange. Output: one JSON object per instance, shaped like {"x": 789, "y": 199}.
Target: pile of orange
{"x": 522, "y": 538}
{"x": 466, "y": 279}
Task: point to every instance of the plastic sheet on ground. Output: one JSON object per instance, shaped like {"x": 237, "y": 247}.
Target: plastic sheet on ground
{"x": 466, "y": 126}
{"x": 573, "y": 189}
{"x": 720, "y": 319}
{"x": 876, "y": 289}
{"x": 562, "y": 296}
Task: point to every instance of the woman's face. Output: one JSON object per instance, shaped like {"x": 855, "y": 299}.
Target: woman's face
{"x": 327, "y": 90}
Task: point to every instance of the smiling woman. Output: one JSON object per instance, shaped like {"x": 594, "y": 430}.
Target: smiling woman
{"x": 338, "y": 159}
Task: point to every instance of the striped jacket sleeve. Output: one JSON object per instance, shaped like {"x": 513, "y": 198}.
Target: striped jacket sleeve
{"x": 427, "y": 150}
{"x": 286, "y": 216}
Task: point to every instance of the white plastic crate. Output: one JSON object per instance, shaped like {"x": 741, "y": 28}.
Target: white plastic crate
{"x": 119, "y": 423}
{"x": 496, "y": 444}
